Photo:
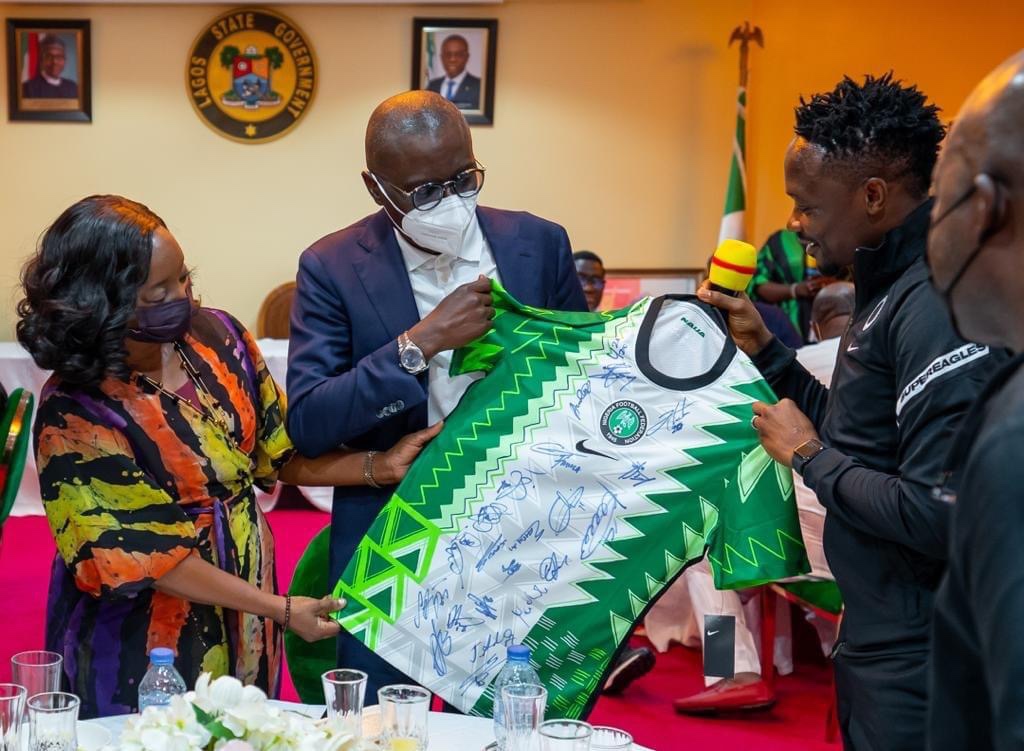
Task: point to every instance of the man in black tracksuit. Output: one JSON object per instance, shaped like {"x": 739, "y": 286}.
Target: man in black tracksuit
{"x": 872, "y": 446}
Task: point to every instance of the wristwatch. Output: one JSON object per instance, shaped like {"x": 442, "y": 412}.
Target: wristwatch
{"x": 804, "y": 453}
{"x": 410, "y": 357}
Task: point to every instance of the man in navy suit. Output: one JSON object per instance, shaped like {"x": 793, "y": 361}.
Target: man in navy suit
{"x": 381, "y": 304}
{"x": 457, "y": 85}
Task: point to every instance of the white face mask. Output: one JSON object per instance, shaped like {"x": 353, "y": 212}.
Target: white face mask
{"x": 440, "y": 229}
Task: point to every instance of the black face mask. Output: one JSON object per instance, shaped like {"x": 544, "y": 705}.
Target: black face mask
{"x": 946, "y": 293}
{"x": 163, "y": 323}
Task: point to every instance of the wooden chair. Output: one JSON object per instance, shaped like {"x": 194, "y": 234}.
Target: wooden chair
{"x": 272, "y": 321}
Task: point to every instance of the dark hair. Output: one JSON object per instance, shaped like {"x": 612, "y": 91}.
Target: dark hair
{"x": 587, "y": 255}
{"x": 880, "y": 127}
{"x": 81, "y": 288}
{"x": 455, "y": 38}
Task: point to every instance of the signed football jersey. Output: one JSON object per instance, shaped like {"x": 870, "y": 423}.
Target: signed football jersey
{"x": 600, "y": 455}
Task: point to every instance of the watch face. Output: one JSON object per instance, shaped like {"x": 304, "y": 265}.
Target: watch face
{"x": 412, "y": 359}
{"x": 809, "y": 449}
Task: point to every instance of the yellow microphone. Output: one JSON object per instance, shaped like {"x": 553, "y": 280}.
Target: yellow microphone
{"x": 732, "y": 267}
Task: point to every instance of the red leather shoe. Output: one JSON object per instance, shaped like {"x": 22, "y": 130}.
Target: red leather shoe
{"x": 727, "y": 696}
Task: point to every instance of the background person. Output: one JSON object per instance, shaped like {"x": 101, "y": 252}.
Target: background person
{"x": 590, "y": 272}
{"x": 783, "y": 279}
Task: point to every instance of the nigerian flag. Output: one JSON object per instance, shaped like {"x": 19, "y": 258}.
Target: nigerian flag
{"x": 736, "y": 194}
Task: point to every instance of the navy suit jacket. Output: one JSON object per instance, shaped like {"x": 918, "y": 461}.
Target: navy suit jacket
{"x": 466, "y": 97}
{"x": 354, "y": 298}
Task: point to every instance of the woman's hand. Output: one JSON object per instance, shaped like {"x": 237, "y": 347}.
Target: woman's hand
{"x": 309, "y": 617}
{"x": 745, "y": 323}
{"x": 390, "y": 467}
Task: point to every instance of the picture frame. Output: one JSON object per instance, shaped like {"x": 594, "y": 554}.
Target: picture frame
{"x": 625, "y": 286}
{"x": 456, "y": 57}
{"x": 49, "y": 70}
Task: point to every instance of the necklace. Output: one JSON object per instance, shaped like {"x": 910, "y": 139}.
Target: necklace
{"x": 209, "y": 408}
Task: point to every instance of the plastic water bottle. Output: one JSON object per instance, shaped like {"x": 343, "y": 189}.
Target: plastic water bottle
{"x": 517, "y": 671}
{"x": 161, "y": 681}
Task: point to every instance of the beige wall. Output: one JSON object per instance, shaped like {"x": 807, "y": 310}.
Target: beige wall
{"x": 945, "y": 46}
{"x": 614, "y": 118}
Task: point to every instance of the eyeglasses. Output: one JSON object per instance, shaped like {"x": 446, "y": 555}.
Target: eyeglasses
{"x": 597, "y": 282}
{"x": 428, "y": 195}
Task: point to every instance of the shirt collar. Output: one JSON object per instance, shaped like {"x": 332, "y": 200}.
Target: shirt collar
{"x": 458, "y": 79}
{"x": 51, "y": 81}
{"x": 876, "y": 268}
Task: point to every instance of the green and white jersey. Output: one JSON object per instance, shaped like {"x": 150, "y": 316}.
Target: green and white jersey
{"x": 599, "y": 456}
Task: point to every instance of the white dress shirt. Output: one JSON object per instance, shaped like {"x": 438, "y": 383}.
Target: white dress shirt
{"x": 820, "y": 361}
{"x": 433, "y": 278}
{"x": 457, "y": 81}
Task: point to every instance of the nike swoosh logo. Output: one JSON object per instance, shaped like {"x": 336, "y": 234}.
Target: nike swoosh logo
{"x": 580, "y": 447}
{"x": 712, "y": 633}
{"x": 852, "y": 348}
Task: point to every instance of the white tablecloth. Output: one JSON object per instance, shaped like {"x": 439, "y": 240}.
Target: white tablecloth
{"x": 18, "y": 371}
{"x": 446, "y": 732}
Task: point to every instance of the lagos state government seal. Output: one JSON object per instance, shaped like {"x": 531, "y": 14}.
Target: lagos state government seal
{"x": 251, "y": 75}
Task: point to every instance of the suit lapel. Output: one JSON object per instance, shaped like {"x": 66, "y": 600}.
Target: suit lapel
{"x": 383, "y": 275}
{"x": 514, "y": 255}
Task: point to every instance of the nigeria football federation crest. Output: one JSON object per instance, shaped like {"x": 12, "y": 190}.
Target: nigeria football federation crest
{"x": 251, "y": 75}
{"x": 624, "y": 422}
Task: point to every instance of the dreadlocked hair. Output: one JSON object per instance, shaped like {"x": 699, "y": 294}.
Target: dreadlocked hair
{"x": 879, "y": 128}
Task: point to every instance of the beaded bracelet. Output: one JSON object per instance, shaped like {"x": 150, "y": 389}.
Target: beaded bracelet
{"x": 368, "y": 470}
{"x": 287, "y": 612}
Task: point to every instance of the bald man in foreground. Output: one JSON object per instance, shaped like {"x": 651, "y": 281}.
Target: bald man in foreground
{"x": 976, "y": 254}
{"x": 381, "y": 305}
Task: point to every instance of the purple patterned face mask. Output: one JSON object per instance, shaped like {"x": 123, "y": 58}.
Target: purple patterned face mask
{"x": 166, "y": 322}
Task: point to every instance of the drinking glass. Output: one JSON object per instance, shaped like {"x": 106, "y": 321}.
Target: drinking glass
{"x": 344, "y": 692}
{"x": 39, "y": 672}
{"x": 524, "y": 712}
{"x": 607, "y": 738}
{"x": 12, "y": 712}
{"x": 565, "y": 735}
{"x": 403, "y": 718}
{"x": 52, "y": 717}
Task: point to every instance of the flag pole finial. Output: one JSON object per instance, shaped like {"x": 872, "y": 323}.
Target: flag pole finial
{"x": 746, "y": 34}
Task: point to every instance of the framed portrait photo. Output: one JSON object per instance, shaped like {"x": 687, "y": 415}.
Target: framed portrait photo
{"x": 456, "y": 58}
{"x": 48, "y": 70}
{"x": 623, "y": 287}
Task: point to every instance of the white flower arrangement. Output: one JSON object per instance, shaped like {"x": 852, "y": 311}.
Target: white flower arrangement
{"x": 224, "y": 715}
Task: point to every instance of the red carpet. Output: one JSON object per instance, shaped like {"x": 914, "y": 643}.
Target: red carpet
{"x": 796, "y": 722}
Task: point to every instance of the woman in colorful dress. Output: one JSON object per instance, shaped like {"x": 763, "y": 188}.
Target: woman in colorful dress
{"x": 160, "y": 421}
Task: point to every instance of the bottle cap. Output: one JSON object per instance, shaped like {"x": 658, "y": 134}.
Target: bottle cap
{"x": 161, "y": 656}
{"x": 519, "y": 653}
